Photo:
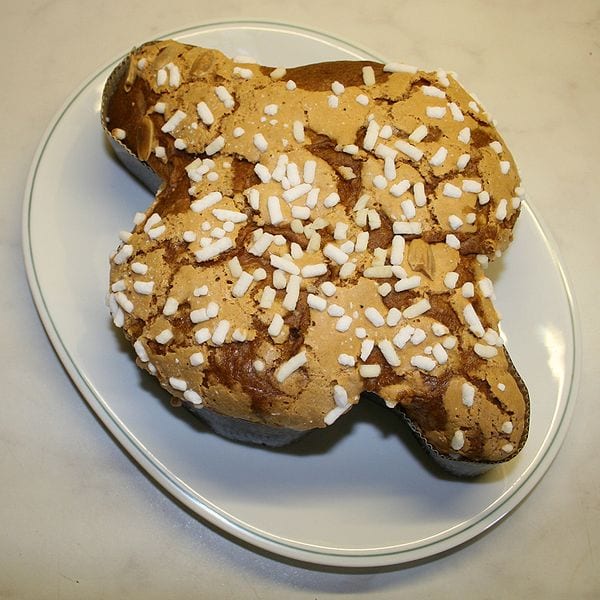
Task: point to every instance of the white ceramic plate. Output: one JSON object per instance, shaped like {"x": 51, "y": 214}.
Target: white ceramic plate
{"x": 360, "y": 493}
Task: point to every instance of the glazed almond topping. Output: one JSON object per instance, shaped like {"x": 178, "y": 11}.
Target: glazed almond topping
{"x": 346, "y": 257}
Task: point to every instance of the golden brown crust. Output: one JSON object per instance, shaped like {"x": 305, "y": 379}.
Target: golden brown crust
{"x": 371, "y": 265}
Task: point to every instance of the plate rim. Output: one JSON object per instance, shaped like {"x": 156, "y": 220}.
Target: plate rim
{"x": 178, "y": 489}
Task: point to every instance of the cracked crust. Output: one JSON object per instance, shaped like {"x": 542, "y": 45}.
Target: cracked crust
{"x": 442, "y": 368}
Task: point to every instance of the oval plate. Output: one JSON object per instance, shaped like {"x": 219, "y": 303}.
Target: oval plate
{"x": 360, "y": 493}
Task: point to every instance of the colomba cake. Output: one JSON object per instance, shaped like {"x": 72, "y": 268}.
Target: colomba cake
{"x": 318, "y": 235}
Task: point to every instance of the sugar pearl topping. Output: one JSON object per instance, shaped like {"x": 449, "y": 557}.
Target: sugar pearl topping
{"x": 355, "y": 234}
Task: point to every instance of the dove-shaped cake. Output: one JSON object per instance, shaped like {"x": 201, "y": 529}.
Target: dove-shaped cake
{"x": 319, "y": 235}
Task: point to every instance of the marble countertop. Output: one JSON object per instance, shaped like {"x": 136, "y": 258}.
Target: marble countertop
{"x": 79, "y": 519}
